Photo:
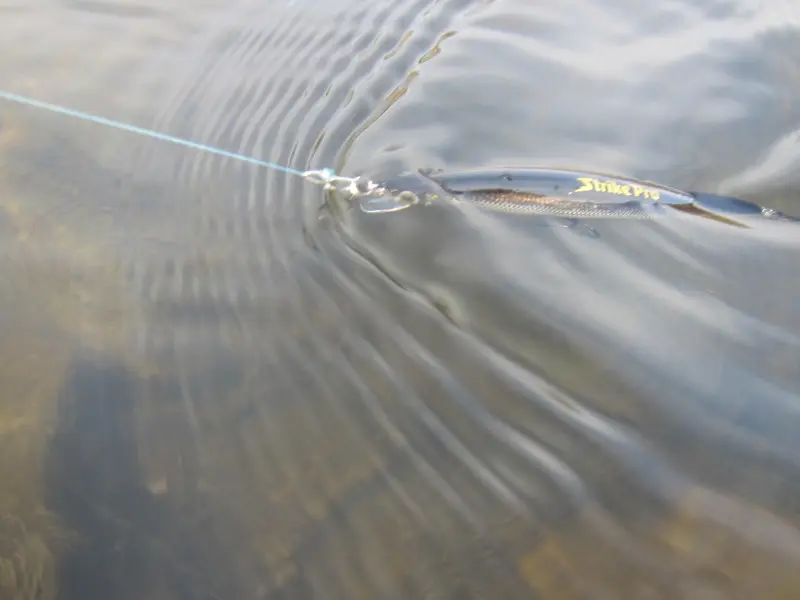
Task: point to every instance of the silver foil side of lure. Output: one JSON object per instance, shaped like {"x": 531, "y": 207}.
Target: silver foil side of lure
{"x": 528, "y": 204}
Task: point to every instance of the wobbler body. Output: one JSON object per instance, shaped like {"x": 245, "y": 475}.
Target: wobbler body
{"x": 565, "y": 194}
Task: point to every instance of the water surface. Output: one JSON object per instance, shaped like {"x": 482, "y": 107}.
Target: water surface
{"x": 217, "y": 381}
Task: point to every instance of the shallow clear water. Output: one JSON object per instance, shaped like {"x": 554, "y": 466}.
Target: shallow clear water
{"x": 216, "y": 381}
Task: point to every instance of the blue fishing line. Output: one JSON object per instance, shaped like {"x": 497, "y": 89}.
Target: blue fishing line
{"x": 146, "y": 132}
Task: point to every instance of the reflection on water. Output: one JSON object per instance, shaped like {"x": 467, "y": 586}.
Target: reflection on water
{"x": 220, "y": 382}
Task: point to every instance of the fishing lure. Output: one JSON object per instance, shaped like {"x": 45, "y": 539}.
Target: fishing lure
{"x": 567, "y": 194}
